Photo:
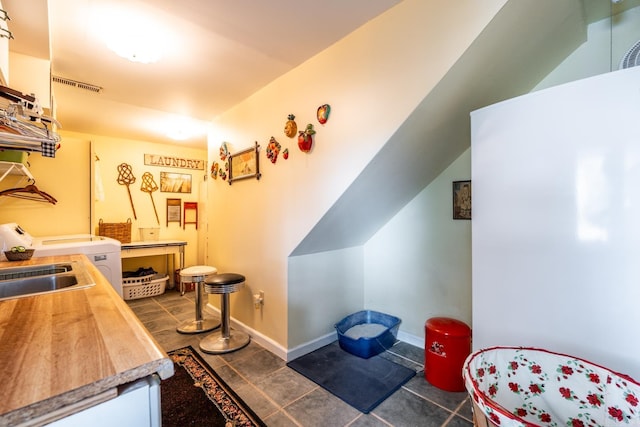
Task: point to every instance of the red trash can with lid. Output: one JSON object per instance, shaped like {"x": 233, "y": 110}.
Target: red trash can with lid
{"x": 447, "y": 345}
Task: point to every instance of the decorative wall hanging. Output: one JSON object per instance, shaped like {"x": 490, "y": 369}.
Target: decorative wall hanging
{"x": 193, "y": 219}
{"x": 174, "y": 162}
{"x": 125, "y": 177}
{"x": 273, "y": 149}
{"x": 285, "y": 153}
{"x": 175, "y": 182}
{"x": 244, "y": 164}
{"x": 462, "y": 200}
{"x": 224, "y": 151}
{"x": 290, "y": 128}
{"x": 149, "y": 186}
{"x": 173, "y": 211}
{"x": 214, "y": 170}
{"x": 323, "y": 113}
{"x": 305, "y": 138}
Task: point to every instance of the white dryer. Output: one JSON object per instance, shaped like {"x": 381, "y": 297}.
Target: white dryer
{"x": 103, "y": 252}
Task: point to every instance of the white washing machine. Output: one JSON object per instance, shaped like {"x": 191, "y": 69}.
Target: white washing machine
{"x": 103, "y": 252}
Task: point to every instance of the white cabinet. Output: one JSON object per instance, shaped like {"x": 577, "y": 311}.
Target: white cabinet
{"x": 555, "y": 242}
{"x": 136, "y": 405}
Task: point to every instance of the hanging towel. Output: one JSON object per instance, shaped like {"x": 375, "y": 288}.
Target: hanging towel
{"x": 99, "y": 190}
{"x": 48, "y": 148}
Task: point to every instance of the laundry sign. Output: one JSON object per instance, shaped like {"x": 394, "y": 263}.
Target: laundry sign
{"x": 173, "y": 162}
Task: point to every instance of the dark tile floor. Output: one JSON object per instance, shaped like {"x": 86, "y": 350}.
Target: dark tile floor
{"x": 282, "y": 397}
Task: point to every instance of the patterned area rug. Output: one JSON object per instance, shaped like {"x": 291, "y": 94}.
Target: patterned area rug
{"x": 196, "y": 396}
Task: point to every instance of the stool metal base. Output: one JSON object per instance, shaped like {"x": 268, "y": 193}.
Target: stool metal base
{"x": 198, "y": 274}
{"x": 217, "y": 343}
{"x": 198, "y": 326}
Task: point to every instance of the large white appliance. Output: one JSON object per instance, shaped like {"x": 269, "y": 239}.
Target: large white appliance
{"x": 556, "y": 230}
{"x": 103, "y": 252}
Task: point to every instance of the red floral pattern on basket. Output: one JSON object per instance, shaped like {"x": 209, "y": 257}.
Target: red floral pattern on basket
{"x": 518, "y": 387}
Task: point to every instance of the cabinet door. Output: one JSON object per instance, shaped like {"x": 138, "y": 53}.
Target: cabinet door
{"x": 137, "y": 407}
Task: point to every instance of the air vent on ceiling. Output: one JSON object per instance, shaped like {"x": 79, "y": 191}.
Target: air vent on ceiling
{"x": 77, "y": 84}
{"x": 632, "y": 57}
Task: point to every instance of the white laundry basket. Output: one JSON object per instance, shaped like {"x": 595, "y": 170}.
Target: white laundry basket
{"x": 143, "y": 287}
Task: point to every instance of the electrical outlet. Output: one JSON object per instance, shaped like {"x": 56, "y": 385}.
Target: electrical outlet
{"x": 258, "y": 300}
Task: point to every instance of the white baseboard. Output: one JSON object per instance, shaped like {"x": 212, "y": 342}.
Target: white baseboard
{"x": 256, "y": 336}
{"x": 310, "y": 346}
{"x": 291, "y": 354}
{"x": 411, "y": 339}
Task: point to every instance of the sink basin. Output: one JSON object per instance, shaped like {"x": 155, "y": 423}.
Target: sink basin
{"x": 34, "y": 270}
{"x": 23, "y": 281}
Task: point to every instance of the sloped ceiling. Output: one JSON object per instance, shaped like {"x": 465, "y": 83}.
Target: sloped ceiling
{"x": 495, "y": 67}
{"x": 218, "y": 53}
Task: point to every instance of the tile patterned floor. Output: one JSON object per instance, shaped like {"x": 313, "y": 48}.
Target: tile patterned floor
{"x": 282, "y": 397}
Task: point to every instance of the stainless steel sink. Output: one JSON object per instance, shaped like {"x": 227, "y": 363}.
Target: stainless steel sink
{"x": 16, "y": 282}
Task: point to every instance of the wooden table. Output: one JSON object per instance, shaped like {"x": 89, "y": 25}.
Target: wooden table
{"x": 154, "y": 248}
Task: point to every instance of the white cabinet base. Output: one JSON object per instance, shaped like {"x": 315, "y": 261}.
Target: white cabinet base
{"x": 136, "y": 405}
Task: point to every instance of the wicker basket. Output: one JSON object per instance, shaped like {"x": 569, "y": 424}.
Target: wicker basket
{"x": 19, "y": 256}
{"x": 116, "y": 230}
{"x": 143, "y": 287}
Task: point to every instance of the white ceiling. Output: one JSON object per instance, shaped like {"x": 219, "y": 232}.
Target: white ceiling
{"x": 218, "y": 53}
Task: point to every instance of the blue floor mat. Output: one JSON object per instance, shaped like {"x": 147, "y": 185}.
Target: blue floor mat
{"x": 362, "y": 383}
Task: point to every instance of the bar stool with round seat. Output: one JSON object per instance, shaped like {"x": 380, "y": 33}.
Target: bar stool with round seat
{"x": 224, "y": 340}
{"x": 197, "y": 274}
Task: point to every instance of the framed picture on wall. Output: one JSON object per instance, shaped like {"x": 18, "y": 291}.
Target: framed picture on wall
{"x": 461, "y": 199}
{"x": 175, "y": 182}
{"x": 244, "y": 164}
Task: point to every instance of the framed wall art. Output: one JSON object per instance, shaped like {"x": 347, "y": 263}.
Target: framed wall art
{"x": 244, "y": 164}
{"x": 462, "y": 200}
{"x": 171, "y": 182}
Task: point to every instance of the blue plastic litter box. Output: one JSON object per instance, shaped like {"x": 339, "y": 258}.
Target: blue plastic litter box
{"x": 367, "y": 333}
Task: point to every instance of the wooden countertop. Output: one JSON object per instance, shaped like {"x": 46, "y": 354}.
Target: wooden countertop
{"x": 61, "y": 348}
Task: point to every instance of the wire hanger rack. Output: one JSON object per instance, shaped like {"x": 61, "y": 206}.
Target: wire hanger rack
{"x": 24, "y": 127}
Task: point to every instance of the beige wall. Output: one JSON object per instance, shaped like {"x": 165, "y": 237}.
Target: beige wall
{"x": 116, "y": 206}
{"x": 31, "y": 75}
{"x": 65, "y": 177}
{"x": 68, "y": 177}
{"x": 373, "y": 79}
{"x": 433, "y": 275}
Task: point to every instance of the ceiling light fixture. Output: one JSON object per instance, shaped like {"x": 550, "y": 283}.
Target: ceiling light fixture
{"x": 131, "y": 35}
{"x": 183, "y": 128}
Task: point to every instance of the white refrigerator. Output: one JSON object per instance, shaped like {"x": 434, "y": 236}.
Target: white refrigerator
{"x": 556, "y": 221}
